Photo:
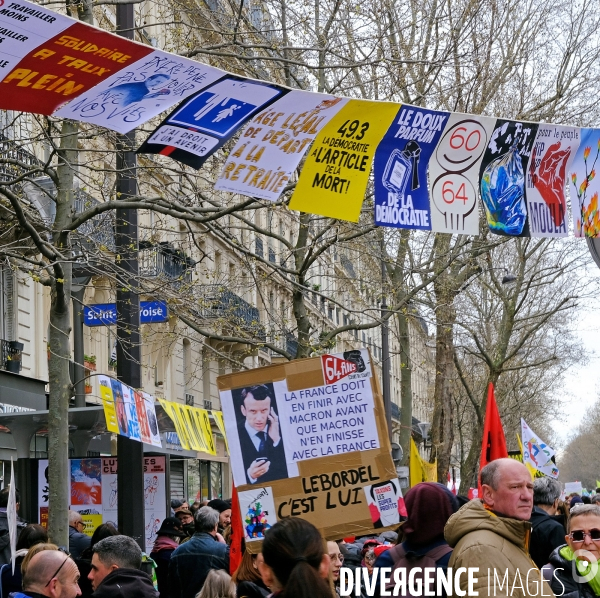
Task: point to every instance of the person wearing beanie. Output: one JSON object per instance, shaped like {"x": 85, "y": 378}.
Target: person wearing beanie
{"x": 429, "y": 506}
{"x": 224, "y": 509}
{"x": 575, "y": 500}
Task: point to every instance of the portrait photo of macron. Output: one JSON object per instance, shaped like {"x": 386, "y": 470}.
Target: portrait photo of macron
{"x": 259, "y": 433}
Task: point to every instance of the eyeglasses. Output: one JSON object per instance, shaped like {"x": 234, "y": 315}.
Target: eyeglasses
{"x": 58, "y": 570}
{"x": 579, "y": 535}
{"x": 80, "y": 523}
{"x": 337, "y": 557}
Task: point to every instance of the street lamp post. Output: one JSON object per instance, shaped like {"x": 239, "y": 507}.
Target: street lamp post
{"x": 130, "y": 468}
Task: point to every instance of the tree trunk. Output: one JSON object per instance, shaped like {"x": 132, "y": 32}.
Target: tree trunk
{"x": 442, "y": 428}
{"x": 298, "y": 297}
{"x": 60, "y": 352}
{"x": 405, "y": 386}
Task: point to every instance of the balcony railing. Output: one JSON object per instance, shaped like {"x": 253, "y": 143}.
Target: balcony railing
{"x": 164, "y": 261}
{"x": 40, "y": 191}
{"x": 284, "y": 339}
{"x": 10, "y": 150}
{"x": 219, "y": 302}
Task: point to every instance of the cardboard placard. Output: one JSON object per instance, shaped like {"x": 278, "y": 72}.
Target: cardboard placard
{"x": 326, "y": 446}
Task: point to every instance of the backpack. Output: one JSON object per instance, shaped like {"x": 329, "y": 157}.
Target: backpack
{"x": 408, "y": 560}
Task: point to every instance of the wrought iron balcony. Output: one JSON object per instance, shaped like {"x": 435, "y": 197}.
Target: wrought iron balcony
{"x": 166, "y": 262}
{"x": 10, "y": 150}
{"x": 100, "y": 229}
{"x": 40, "y": 191}
{"x": 285, "y": 339}
{"x": 218, "y": 302}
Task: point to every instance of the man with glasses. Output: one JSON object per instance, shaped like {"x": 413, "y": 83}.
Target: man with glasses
{"x": 50, "y": 573}
{"x": 78, "y": 541}
{"x": 493, "y": 534}
{"x": 573, "y": 569}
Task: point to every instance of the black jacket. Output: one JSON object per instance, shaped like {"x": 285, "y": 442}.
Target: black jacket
{"x": 275, "y": 454}
{"x": 547, "y": 534}
{"x": 126, "y": 583}
{"x": 558, "y": 573}
{"x": 250, "y": 589}
{"x": 162, "y": 558}
{"x": 78, "y": 542}
{"x": 5, "y": 538}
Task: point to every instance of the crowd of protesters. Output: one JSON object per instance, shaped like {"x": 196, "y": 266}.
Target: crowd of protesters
{"x": 518, "y": 525}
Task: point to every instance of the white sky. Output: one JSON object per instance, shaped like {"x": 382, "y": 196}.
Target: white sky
{"x": 581, "y": 385}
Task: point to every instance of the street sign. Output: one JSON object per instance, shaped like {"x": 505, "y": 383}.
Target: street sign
{"x": 105, "y": 314}
{"x": 152, "y": 312}
{"x": 100, "y": 314}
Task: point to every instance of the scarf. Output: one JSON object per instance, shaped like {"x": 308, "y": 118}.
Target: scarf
{"x": 164, "y": 543}
{"x": 583, "y": 568}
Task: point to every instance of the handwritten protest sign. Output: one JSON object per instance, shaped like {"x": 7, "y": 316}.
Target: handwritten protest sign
{"x": 272, "y": 145}
{"x": 144, "y": 89}
{"x": 337, "y": 169}
{"x": 303, "y": 448}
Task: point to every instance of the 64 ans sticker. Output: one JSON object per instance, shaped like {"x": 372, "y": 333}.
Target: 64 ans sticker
{"x": 352, "y": 364}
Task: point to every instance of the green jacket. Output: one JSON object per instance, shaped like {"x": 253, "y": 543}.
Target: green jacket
{"x": 498, "y": 546}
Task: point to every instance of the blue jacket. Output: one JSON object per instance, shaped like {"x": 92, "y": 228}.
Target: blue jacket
{"x": 191, "y": 562}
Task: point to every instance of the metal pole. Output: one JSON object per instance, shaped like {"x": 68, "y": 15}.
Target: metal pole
{"x": 385, "y": 346}
{"x": 130, "y": 468}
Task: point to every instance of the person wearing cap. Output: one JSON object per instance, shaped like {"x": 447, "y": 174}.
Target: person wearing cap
{"x": 167, "y": 540}
{"x": 224, "y": 509}
{"x": 186, "y": 519}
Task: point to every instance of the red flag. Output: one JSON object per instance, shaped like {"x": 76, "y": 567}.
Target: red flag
{"x": 237, "y": 533}
{"x": 493, "y": 445}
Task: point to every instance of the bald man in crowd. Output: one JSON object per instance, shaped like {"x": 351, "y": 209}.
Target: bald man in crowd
{"x": 50, "y": 573}
{"x": 492, "y": 533}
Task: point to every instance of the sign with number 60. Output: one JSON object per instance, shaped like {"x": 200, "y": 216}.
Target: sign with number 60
{"x": 454, "y": 174}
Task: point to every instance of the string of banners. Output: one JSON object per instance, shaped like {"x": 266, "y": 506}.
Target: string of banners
{"x": 132, "y": 413}
{"x": 429, "y": 167}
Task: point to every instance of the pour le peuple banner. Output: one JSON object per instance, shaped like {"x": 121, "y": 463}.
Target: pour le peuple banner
{"x": 430, "y": 168}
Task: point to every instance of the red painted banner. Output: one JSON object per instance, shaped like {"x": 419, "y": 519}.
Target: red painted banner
{"x": 66, "y": 66}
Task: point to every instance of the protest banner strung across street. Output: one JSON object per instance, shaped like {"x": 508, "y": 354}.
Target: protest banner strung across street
{"x": 54, "y": 65}
{"x": 400, "y": 168}
{"x": 308, "y": 439}
{"x": 128, "y": 412}
{"x": 454, "y": 174}
{"x": 584, "y": 185}
{"x": 146, "y": 88}
{"x": 336, "y": 171}
{"x": 502, "y": 177}
{"x": 263, "y": 160}
{"x": 64, "y": 65}
{"x": 203, "y": 123}
{"x": 553, "y": 154}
